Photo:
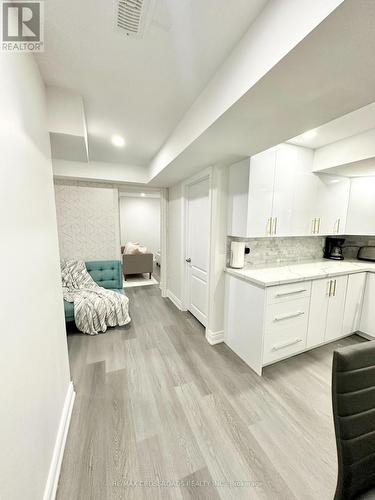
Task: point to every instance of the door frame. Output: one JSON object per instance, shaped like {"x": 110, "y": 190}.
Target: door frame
{"x": 204, "y": 174}
{"x": 163, "y": 240}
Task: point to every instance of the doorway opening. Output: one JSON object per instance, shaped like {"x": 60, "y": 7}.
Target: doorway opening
{"x": 141, "y": 236}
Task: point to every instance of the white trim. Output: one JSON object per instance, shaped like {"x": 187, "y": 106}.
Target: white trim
{"x": 163, "y": 240}
{"x": 176, "y": 301}
{"x": 214, "y": 338}
{"x": 58, "y": 452}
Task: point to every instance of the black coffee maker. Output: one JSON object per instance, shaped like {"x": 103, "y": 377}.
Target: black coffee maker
{"x": 333, "y": 248}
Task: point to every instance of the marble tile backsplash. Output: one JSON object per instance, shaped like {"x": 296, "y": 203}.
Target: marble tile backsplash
{"x": 280, "y": 250}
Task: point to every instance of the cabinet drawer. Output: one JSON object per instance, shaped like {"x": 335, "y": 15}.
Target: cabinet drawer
{"x": 291, "y": 291}
{"x": 285, "y": 329}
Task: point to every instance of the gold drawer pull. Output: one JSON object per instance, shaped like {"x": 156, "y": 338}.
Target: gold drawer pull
{"x": 288, "y": 316}
{"x": 283, "y": 294}
{"x": 287, "y": 344}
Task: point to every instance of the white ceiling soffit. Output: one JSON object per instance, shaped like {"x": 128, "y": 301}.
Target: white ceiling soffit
{"x": 326, "y": 76}
{"x": 138, "y": 88}
{"x": 67, "y": 125}
{"x": 139, "y": 194}
{"x": 348, "y": 125}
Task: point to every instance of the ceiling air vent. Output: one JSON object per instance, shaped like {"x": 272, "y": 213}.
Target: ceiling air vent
{"x": 132, "y": 16}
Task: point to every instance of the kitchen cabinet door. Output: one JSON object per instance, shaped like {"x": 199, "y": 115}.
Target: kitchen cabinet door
{"x": 367, "y": 322}
{"x": 336, "y": 307}
{"x": 262, "y": 176}
{"x": 304, "y": 194}
{"x": 353, "y": 302}
{"x": 361, "y": 211}
{"x": 318, "y": 312}
{"x": 284, "y": 187}
{"x": 332, "y": 204}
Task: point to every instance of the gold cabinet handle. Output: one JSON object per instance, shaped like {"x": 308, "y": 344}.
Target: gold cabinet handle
{"x": 334, "y": 288}
{"x": 318, "y": 231}
{"x": 338, "y": 225}
{"x": 275, "y": 226}
{"x": 329, "y": 288}
{"x": 269, "y": 226}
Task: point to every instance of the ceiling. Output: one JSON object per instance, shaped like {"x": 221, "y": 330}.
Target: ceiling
{"x": 325, "y": 76}
{"x": 138, "y": 88}
{"x": 348, "y": 125}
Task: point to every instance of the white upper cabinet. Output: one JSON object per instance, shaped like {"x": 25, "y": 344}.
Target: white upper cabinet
{"x": 361, "y": 211}
{"x": 294, "y": 191}
{"x": 262, "y": 178}
{"x": 275, "y": 193}
{"x": 331, "y": 204}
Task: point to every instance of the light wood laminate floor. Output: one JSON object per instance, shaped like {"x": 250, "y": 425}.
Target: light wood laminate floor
{"x": 161, "y": 414}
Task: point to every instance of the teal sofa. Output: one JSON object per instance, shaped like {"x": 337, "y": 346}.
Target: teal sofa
{"x": 106, "y": 273}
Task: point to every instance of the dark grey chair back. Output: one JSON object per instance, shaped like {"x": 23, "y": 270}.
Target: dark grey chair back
{"x": 353, "y": 398}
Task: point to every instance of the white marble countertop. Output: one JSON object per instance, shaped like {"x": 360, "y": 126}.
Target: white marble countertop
{"x": 279, "y": 274}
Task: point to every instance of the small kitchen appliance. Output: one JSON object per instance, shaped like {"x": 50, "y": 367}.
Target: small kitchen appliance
{"x": 333, "y": 248}
{"x": 237, "y": 254}
{"x": 366, "y": 253}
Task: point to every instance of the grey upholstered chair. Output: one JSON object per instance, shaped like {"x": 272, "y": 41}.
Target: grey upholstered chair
{"x": 353, "y": 398}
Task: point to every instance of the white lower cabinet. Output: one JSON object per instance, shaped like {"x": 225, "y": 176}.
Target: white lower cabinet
{"x": 286, "y": 328}
{"x": 354, "y": 301}
{"x": 265, "y": 325}
{"x": 367, "y": 321}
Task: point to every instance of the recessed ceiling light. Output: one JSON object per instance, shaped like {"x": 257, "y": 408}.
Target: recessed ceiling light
{"x": 309, "y": 134}
{"x": 118, "y": 141}
{"x": 143, "y": 194}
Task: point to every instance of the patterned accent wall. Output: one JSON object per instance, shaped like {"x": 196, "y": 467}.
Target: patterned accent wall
{"x": 87, "y": 221}
{"x": 281, "y": 250}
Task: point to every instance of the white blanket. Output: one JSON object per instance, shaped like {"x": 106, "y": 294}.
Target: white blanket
{"x": 95, "y": 308}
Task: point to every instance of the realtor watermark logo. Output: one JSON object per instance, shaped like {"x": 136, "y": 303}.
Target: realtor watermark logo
{"x": 22, "y": 26}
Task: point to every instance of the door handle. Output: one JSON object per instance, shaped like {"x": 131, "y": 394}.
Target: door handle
{"x": 188, "y": 260}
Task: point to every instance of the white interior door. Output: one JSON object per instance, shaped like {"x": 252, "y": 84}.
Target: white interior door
{"x": 198, "y": 229}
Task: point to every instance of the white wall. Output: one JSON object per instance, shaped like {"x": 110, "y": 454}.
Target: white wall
{"x": 174, "y": 241}
{"x": 88, "y": 221}
{"x": 219, "y": 211}
{"x": 34, "y": 368}
{"x": 140, "y": 221}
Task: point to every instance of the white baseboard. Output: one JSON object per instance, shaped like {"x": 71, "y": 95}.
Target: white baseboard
{"x": 214, "y": 337}
{"x": 58, "y": 452}
{"x": 176, "y": 301}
